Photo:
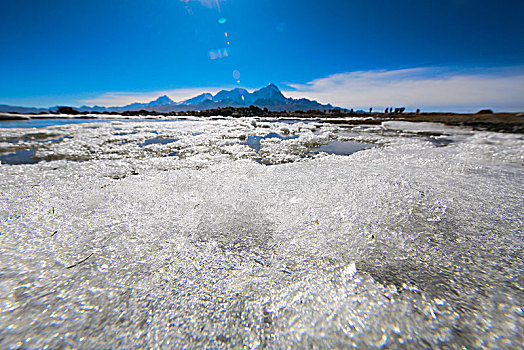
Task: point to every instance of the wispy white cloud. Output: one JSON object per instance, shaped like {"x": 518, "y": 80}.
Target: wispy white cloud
{"x": 124, "y": 98}
{"x": 428, "y": 88}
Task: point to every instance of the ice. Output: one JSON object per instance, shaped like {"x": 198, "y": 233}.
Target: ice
{"x": 157, "y": 140}
{"x": 105, "y": 243}
{"x": 255, "y": 141}
{"x": 342, "y": 148}
{"x": 19, "y": 157}
{"x": 422, "y": 127}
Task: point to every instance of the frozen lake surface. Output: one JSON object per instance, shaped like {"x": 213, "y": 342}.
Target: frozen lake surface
{"x": 216, "y": 235}
{"x": 37, "y": 121}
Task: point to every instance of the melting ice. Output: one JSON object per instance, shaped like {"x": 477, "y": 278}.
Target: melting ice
{"x": 106, "y": 242}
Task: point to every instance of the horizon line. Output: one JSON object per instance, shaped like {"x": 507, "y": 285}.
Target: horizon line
{"x": 428, "y": 88}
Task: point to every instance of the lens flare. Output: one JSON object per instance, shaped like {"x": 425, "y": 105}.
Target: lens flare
{"x": 222, "y": 20}
{"x": 236, "y": 74}
{"x": 216, "y": 54}
{"x": 206, "y": 3}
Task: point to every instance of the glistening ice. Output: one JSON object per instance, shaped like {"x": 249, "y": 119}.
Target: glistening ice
{"x": 110, "y": 241}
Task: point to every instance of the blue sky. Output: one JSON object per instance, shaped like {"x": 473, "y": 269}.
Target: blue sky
{"x": 352, "y": 53}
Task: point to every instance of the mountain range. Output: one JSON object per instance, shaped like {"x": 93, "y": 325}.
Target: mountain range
{"x": 269, "y": 97}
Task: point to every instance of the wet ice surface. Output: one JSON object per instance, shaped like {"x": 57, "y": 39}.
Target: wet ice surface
{"x": 342, "y": 148}
{"x": 19, "y": 157}
{"x": 37, "y": 122}
{"x": 157, "y": 140}
{"x": 107, "y": 243}
{"x": 254, "y": 141}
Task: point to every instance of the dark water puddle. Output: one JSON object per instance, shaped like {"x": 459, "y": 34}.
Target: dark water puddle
{"x": 254, "y": 141}
{"x": 157, "y": 140}
{"x": 134, "y": 132}
{"x": 172, "y": 154}
{"x": 429, "y": 133}
{"x": 37, "y": 139}
{"x": 20, "y": 157}
{"x": 125, "y": 133}
{"x": 57, "y": 140}
{"x": 343, "y": 148}
{"x": 440, "y": 141}
{"x": 291, "y": 121}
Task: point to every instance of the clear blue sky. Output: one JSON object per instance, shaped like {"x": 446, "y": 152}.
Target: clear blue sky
{"x": 68, "y": 52}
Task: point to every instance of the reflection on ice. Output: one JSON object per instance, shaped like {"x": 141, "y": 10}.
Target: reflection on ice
{"x": 158, "y": 140}
{"x": 343, "y": 148}
{"x": 254, "y": 141}
{"x": 19, "y": 157}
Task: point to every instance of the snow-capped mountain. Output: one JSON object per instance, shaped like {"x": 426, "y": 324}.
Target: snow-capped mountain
{"x": 234, "y": 95}
{"x": 269, "y": 94}
{"x": 198, "y": 99}
{"x": 161, "y": 101}
{"x": 269, "y": 97}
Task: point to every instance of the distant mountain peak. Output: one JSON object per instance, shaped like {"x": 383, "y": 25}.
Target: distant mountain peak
{"x": 198, "y": 99}
{"x": 271, "y": 93}
{"x": 162, "y": 101}
{"x": 269, "y": 97}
